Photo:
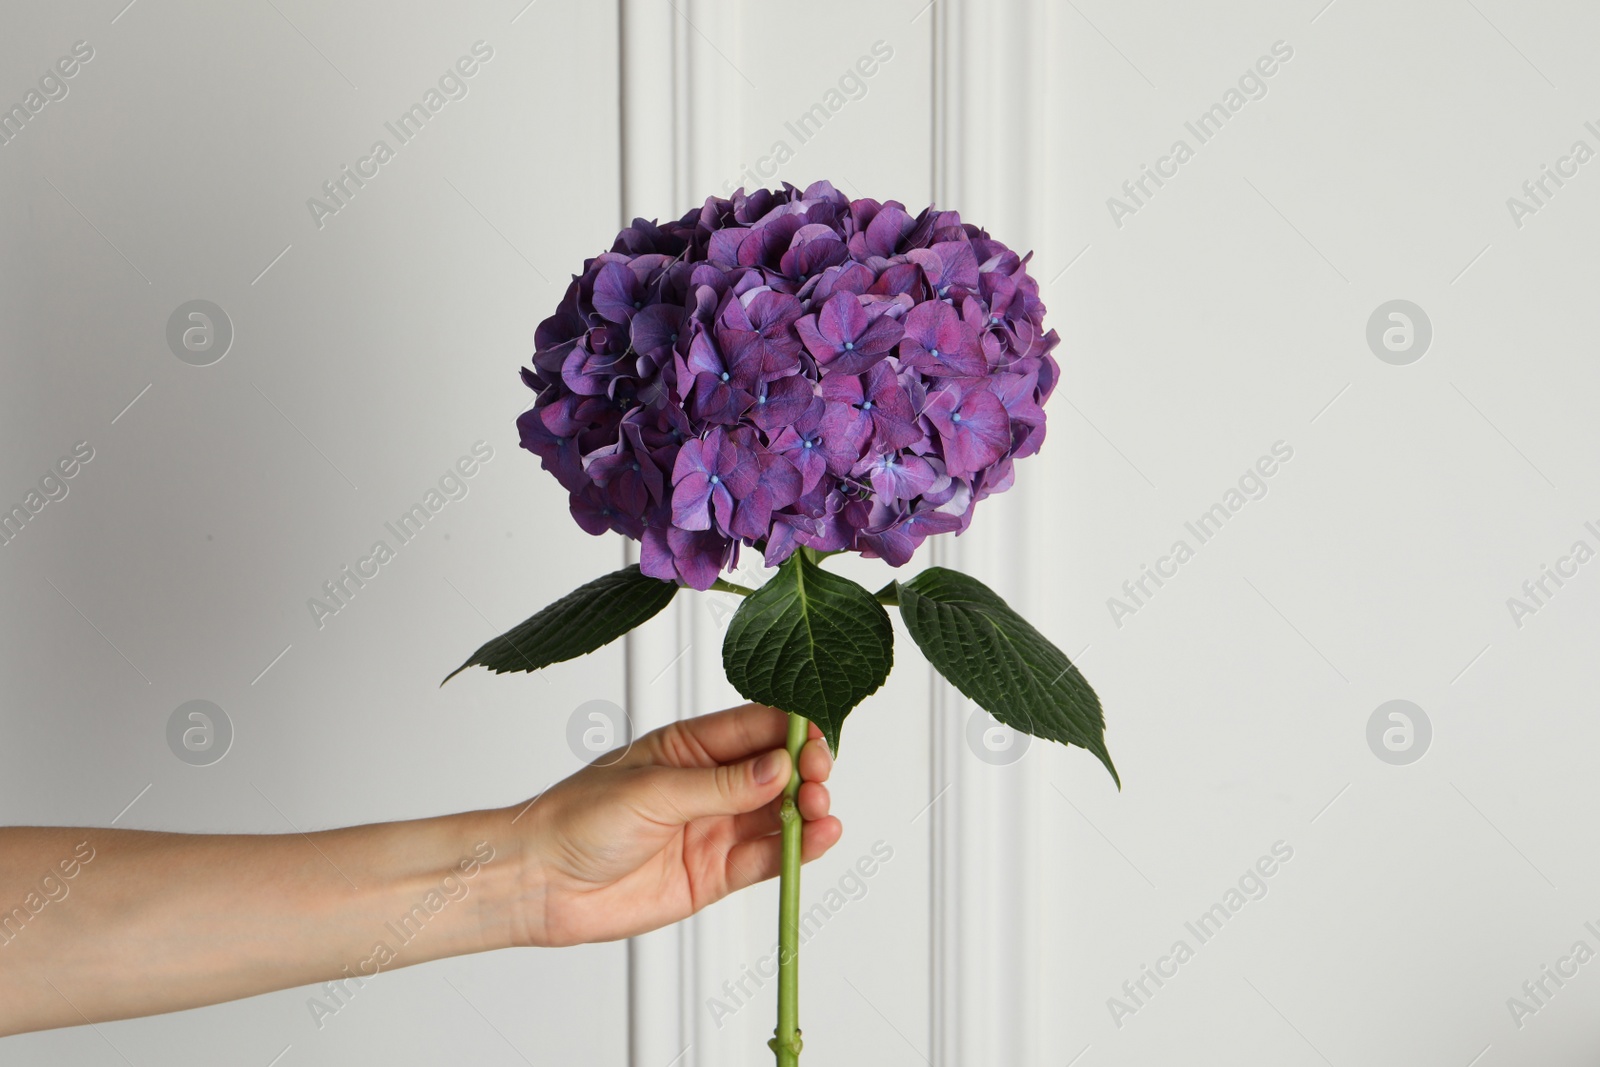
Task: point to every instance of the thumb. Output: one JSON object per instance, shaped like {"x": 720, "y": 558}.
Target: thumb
{"x": 732, "y": 789}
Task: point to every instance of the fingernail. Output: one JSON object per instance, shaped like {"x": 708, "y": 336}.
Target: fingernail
{"x": 770, "y": 766}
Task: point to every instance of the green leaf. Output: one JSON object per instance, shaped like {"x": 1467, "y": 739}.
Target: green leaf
{"x": 580, "y": 622}
{"x": 999, "y": 661}
{"x": 811, "y": 643}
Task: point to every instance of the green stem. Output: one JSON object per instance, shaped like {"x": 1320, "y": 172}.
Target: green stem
{"x": 723, "y": 586}
{"x": 786, "y": 1038}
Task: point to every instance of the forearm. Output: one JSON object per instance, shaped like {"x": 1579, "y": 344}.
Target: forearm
{"x": 154, "y": 922}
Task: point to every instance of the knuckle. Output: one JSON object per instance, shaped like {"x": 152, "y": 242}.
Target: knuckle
{"x": 730, "y": 782}
{"x": 676, "y": 744}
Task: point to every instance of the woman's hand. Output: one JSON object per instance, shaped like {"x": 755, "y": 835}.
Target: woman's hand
{"x": 108, "y": 923}
{"x": 688, "y": 815}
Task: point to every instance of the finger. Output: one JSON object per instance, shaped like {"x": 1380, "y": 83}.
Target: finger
{"x": 819, "y": 837}
{"x": 680, "y": 794}
{"x": 814, "y": 801}
{"x": 707, "y": 740}
{"x": 816, "y": 763}
{"x": 756, "y": 861}
{"x": 758, "y": 823}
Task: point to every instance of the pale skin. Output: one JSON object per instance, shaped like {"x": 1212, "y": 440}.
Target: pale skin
{"x": 157, "y": 922}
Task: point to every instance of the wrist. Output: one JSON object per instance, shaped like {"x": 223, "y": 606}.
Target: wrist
{"x": 513, "y": 890}
{"x": 429, "y": 888}
{"x": 484, "y": 859}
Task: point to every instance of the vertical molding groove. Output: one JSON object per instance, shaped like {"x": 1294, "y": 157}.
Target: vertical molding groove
{"x": 681, "y": 108}
{"x": 661, "y": 973}
{"x": 944, "y": 827}
{"x": 986, "y": 962}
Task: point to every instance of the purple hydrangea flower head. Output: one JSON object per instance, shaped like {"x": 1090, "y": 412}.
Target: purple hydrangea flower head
{"x": 789, "y": 368}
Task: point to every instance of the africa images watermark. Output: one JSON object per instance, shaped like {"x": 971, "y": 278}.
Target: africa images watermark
{"x": 53, "y": 86}
{"x": 852, "y": 885}
{"x": 1538, "y": 591}
{"x": 1538, "y": 191}
{"x": 852, "y": 85}
{"x": 1252, "y": 85}
{"x": 1251, "y": 886}
{"x": 1252, "y": 485}
{"x": 52, "y": 889}
{"x": 1538, "y": 991}
{"x": 724, "y": 605}
{"x": 452, "y": 889}
{"x": 52, "y": 486}
{"x": 452, "y": 85}
{"x": 342, "y": 588}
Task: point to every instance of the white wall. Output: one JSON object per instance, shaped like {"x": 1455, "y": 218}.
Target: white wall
{"x": 1226, "y": 313}
{"x": 370, "y": 357}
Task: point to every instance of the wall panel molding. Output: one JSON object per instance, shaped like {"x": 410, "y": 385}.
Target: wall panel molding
{"x": 682, "y": 101}
{"x": 661, "y": 975}
{"x": 987, "y": 161}
{"x": 680, "y": 105}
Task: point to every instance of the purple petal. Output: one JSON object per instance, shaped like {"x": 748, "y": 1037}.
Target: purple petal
{"x": 617, "y": 293}
{"x": 655, "y": 557}
{"x": 846, "y": 428}
{"x": 716, "y": 400}
{"x": 805, "y": 452}
{"x": 698, "y": 557}
{"x": 973, "y": 433}
{"x": 841, "y": 319}
{"x": 888, "y": 228}
{"x": 656, "y": 328}
{"x": 779, "y": 403}
{"x": 897, "y": 476}
{"x": 691, "y": 502}
{"x": 777, "y": 486}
